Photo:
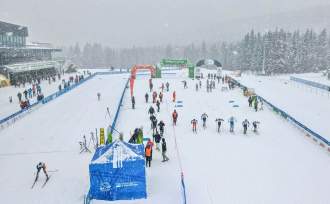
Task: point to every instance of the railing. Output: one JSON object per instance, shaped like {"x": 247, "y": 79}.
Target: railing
{"x": 290, "y": 118}
{"x": 310, "y": 83}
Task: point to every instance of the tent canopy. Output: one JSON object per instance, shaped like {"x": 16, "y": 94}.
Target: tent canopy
{"x": 117, "y": 172}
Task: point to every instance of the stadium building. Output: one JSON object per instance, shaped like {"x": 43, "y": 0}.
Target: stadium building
{"x": 21, "y": 61}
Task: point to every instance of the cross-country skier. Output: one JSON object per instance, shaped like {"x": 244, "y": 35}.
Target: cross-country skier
{"x": 162, "y": 87}
{"x": 174, "y": 96}
{"x": 154, "y": 97}
{"x": 196, "y": 86}
{"x": 245, "y": 124}
{"x": 219, "y": 121}
{"x": 151, "y": 110}
{"x": 174, "y": 117}
{"x": 154, "y": 125}
{"x": 167, "y": 86}
{"x": 133, "y": 102}
{"x": 146, "y": 97}
{"x": 161, "y": 125}
{"x": 152, "y": 118}
{"x": 150, "y": 85}
{"x": 98, "y": 96}
{"x": 158, "y": 105}
{"x": 231, "y": 121}
{"x": 204, "y": 116}
{"x": 41, "y": 165}
{"x": 157, "y": 137}
{"x": 164, "y": 150}
{"x": 200, "y": 84}
{"x": 184, "y": 84}
{"x": 161, "y": 97}
{"x": 255, "y": 125}
{"x": 194, "y": 125}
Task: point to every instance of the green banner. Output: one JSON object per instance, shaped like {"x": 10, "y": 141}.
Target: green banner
{"x": 174, "y": 62}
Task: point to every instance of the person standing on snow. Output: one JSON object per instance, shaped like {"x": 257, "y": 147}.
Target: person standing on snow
{"x": 250, "y": 101}
{"x": 19, "y": 96}
{"x": 158, "y": 105}
{"x": 161, "y": 125}
{"x": 150, "y": 85}
{"x": 255, "y": 125}
{"x": 174, "y": 117}
{"x": 148, "y": 154}
{"x": 196, "y": 86}
{"x": 174, "y": 96}
{"x": 167, "y": 86}
{"x": 133, "y": 102}
{"x": 164, "y": 150}
{"x": 231, "y": 121}
{"x": 200, "y": 84}
{"x": 98, "y": 96}
{"x": 219, "y": 121}
{"x": 146, "y": 97}
{"x": 256, "y": 104}
{"x": 151, "y": 110}
{"x": 194, "y": 125}
{"x": 245, "y": 124}
{"x": 204, "y": 116}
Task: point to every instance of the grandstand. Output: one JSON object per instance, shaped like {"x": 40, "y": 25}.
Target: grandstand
{"x": 21, "y": 61}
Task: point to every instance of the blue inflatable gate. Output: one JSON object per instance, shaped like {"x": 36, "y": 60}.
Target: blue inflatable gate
{"x": 117, "y": 172}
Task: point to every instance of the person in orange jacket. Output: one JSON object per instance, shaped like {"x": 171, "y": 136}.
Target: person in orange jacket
{"x": 174, "y": 96}
{"x": 174, "y": 117}
{"x": 148, "y": 154}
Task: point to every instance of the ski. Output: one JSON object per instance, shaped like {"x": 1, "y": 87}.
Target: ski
{"x": 34, "y": 183}
{"x": 43, "y": 185}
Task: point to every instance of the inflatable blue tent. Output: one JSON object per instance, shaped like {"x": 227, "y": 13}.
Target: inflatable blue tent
{"x": 117, "y": 172}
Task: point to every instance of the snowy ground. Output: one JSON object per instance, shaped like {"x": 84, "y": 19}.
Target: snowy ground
{"x": 278, "y": 165}
{"x": 308, "y": 105}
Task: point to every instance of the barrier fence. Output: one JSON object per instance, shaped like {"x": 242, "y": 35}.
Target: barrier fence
{"x": 120, "y": 104}
{"x": 310, "y": 83}
{"x": 317, "y": 137}
{"x": 51, "y": 97}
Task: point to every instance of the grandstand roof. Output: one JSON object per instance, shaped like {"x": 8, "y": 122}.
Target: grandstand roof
{"x": 12, "y": 29}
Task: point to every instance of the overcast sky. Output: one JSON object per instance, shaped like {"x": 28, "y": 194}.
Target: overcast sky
{"x": 124, "y": 23}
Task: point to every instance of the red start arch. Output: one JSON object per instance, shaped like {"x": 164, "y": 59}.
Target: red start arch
{"x": 134, "y": 69}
